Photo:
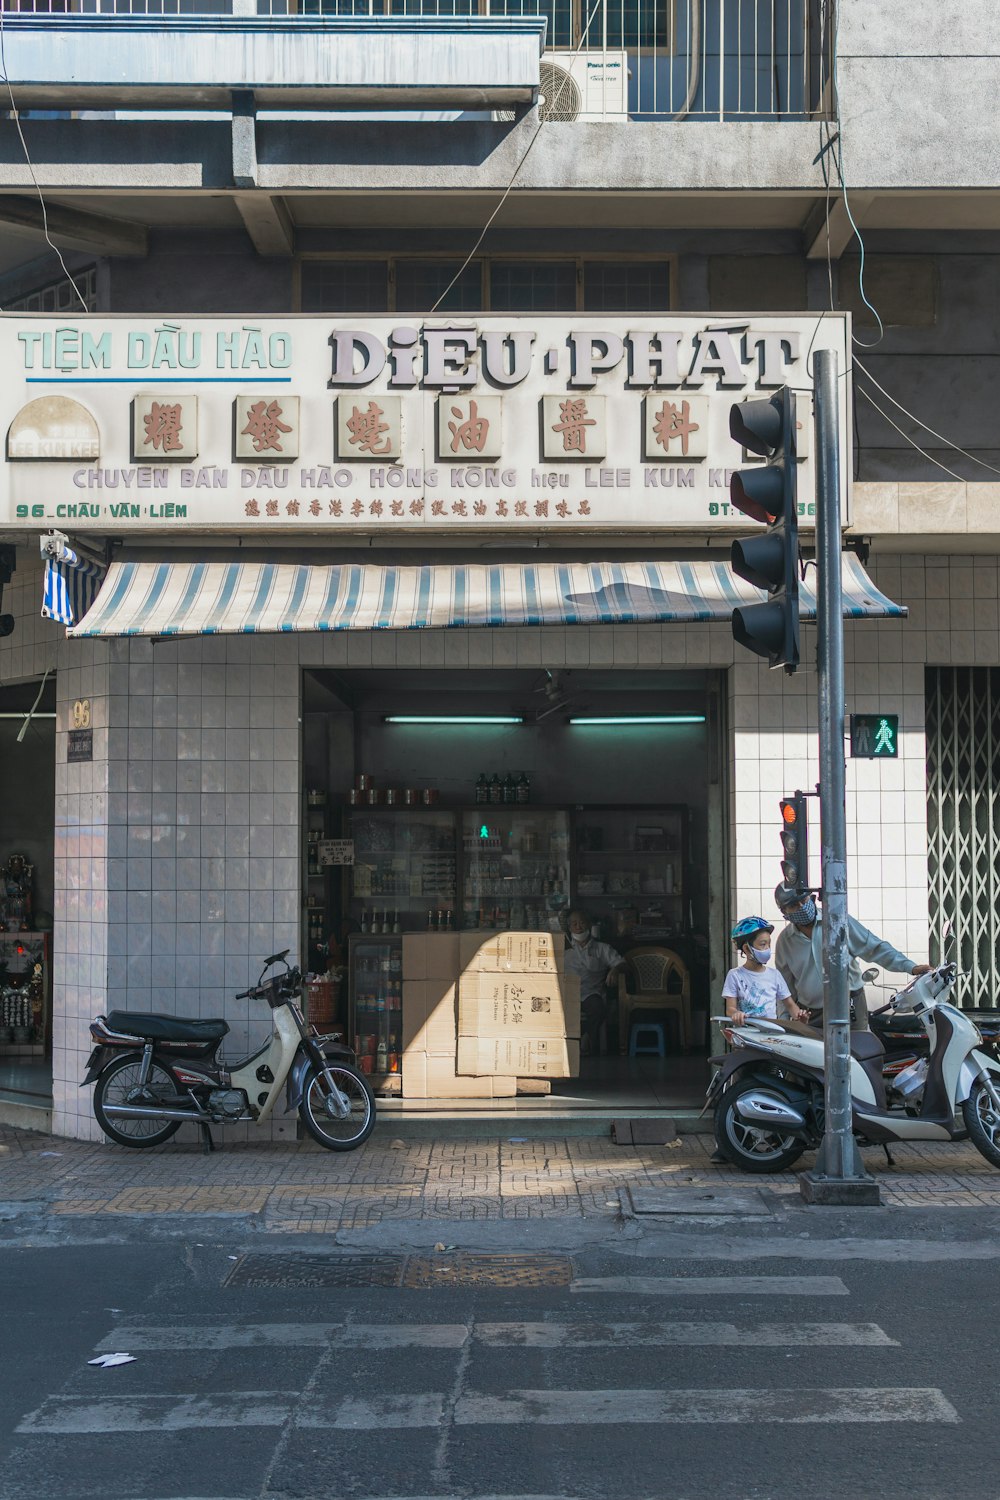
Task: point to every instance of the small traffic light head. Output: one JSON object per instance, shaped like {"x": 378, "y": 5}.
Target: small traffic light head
{"x": 758, "y": 425}
{"x": 758, "y": 493}
{"x": 760, "y": 560}
{"x": 789, "y": 812}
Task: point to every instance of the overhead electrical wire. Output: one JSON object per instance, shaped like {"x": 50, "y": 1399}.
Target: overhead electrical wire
{"x": 27, "y": 157}
{"x": 907, "y": 413}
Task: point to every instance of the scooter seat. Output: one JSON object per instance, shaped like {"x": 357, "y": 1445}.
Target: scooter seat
{"x": 160, "y": 1028}
{"x": 865, "y": 1045}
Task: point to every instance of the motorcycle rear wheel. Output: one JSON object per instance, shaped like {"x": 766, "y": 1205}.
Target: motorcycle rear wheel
{"x": 751, "y": 1147}
{"x": 333, "y": 1133}
{"x": 982, "y": 1121}
{"x": 119, "y": 1084}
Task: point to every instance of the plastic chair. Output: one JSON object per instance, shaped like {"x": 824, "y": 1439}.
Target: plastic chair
{"x": 662, "y": 982}
{"x": 658, "y": 1047}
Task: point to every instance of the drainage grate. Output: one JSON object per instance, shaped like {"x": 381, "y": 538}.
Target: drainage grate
{"x": 316, "y": 1270}
{"x": 409, "y": 1271}
{"x": 488, "y": 1270}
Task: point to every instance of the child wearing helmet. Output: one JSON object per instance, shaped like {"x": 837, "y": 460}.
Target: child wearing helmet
{"x": 754, "y": 989}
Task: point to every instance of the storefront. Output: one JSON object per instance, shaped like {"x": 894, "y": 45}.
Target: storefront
{"x": 477, "y": 803}
{"x": 313, "y": 535}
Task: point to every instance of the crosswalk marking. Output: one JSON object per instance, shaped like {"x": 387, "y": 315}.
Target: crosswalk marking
{"x": 797, "y": 1406}
{"x": 714, "y": 1286}
{"x": 656, "y": 1335}
{"x": 179, "y": 1337}
{"x": 287, "y": 1335}
{"x": 328, "y": 1411}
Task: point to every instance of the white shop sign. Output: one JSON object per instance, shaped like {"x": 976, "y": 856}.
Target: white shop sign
{"x": 538, "y": 424}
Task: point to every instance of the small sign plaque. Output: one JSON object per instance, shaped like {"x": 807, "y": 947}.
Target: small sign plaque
{"x": 875, "y": 736}
{"x": 81, "y": 745}
{"x": 336, "y": 852}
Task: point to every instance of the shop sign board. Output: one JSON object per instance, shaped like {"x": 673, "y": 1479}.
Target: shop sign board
{"x": 80, "y": 745}
{"x": 374, "y": 425}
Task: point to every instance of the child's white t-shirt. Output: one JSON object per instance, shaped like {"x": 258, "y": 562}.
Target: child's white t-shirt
{"x": 756, "y": 993}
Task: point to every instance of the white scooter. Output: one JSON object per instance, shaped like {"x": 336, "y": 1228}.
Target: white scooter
{"x": 767, "y": 1094}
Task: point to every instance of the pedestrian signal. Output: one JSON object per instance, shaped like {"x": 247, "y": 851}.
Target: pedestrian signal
{"x": 875, "y": 736}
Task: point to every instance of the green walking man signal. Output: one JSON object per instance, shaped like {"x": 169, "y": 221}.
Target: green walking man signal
{"x": 875, "y": 736}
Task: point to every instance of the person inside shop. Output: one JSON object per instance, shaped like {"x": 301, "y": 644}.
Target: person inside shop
{"x": 798, "y": 955}
{"x": 597, "y": 965}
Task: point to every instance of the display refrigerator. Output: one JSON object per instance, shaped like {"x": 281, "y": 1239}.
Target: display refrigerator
{"x": 375, "y": 1014}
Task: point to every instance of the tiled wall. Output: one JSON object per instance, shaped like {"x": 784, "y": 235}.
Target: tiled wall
{"x": 177, "y": 849}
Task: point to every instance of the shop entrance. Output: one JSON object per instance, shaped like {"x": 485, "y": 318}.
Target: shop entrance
{"x": 27, "y": 824}
{"x": 447, "y": 811}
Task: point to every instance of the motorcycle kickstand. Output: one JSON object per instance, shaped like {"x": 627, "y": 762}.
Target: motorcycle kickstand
{"x": 888, "y": 1155}
{"x": 207, "y": 1143}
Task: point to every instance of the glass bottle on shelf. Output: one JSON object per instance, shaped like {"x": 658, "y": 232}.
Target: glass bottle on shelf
{"x": 523, "y": 789}
{"x": 482, "y": 789}
{"x": 496, "y": 788}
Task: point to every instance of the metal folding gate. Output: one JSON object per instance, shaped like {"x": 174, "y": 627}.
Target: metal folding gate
{"x": 963, "y": 823}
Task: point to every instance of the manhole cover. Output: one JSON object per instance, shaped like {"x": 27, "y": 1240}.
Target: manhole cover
{"x": 316, "y": 1270}
{"x": 488, "y": 1270}
{"x": 410, "y": 1271}
{"x": 699, "y": 1201}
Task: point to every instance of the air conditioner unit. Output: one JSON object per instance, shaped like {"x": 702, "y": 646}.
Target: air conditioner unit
{"x": 581, "y": 86}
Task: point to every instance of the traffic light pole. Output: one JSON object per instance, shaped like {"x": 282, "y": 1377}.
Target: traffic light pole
{"x": 839, "y": 1176}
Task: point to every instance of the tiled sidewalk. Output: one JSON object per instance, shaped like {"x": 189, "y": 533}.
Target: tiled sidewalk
{"x": 297, "y": 1187}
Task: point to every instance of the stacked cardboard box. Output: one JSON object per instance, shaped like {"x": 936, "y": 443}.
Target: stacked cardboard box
{"x": 431, "y": 967}
{"x": 518, "y": 1012}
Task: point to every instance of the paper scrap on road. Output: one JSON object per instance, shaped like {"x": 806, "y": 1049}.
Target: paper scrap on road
{"x": 107, "y": 1361}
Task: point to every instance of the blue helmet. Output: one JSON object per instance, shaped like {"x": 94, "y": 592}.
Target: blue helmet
{"x": 747, "y": 927}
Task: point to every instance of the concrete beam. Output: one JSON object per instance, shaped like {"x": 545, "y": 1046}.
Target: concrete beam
{"x": 75, "y": 227}
{"x": 836, "y": 233}
{"x": 267, "y": 222}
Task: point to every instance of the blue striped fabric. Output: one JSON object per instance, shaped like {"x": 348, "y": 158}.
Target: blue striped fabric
{"x": 259, "y": 598}
{"x": 70, "y": 587}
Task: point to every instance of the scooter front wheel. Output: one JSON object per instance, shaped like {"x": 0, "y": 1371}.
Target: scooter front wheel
{"x": 982, "y": 1120}
{"x": 318, "y": 1111}
{"x": 752, "y": 1148}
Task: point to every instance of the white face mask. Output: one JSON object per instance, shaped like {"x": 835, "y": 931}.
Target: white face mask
{"x": 761, "y": 954}
{"x": 579, "y": 937}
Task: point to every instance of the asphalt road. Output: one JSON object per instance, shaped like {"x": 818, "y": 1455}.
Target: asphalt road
{"x": 772, "y": 1379}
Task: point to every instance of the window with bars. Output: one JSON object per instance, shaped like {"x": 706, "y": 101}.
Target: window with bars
{"x": 500, "y": 284}
{"x": 59, "y": 296}
{"x": 963, "y": 824}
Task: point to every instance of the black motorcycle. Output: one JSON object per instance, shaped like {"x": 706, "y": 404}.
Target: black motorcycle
{"x": 153, "y": 1072}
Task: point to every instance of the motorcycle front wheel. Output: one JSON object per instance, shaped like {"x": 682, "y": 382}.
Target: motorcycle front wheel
{"x": 752, "y": 1148}
{"x": 119, "y": 1084}
{"x": 982, "y": 1120}
{"x": 324, "y": 1124}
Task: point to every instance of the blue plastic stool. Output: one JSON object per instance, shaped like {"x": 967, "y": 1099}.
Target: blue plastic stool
{"x": 655, "y": 1048}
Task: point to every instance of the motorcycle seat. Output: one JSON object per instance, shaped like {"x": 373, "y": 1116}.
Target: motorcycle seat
{"x": 865, "y": 1045}
{"x": 160, "y": 1028}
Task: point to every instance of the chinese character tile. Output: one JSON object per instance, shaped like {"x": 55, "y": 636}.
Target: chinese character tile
{"x": 469, "y": 428}
{"x": 573, "y": 427}
{"x": 266, "y": 426}
{"x": 675, "y": 428}
{"x": 164, "y": 428}
{"x": 369, "y": 429}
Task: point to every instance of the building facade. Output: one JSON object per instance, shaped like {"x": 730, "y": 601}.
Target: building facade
{"x": 687, "y": 192}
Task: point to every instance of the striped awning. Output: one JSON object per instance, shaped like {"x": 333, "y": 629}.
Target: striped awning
{"x": 71, "y": 582}
{"x": 175, "y": 599}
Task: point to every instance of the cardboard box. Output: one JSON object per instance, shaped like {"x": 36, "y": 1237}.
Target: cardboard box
{"x": 518, "y": 952}
{"x": 519, "y": 1057}
{"x": 430, "y": 955}
{"x": 435, "y": 1078}
{"x": 503, "y": 1005}
{"x": 429, "y": 1016}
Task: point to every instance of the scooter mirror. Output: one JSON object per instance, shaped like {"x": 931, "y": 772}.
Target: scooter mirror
{"x": 869, "y": 975}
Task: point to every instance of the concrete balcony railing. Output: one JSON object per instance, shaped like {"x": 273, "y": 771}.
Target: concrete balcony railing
{"x": 702, "y": 60}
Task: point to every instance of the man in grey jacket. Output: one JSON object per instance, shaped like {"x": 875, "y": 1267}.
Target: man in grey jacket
{"x": 798, "y": 955}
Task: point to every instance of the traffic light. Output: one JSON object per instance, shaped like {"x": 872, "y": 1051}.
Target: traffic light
{"x": 767, "y": 493}
{"x": 794, "y": 842}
